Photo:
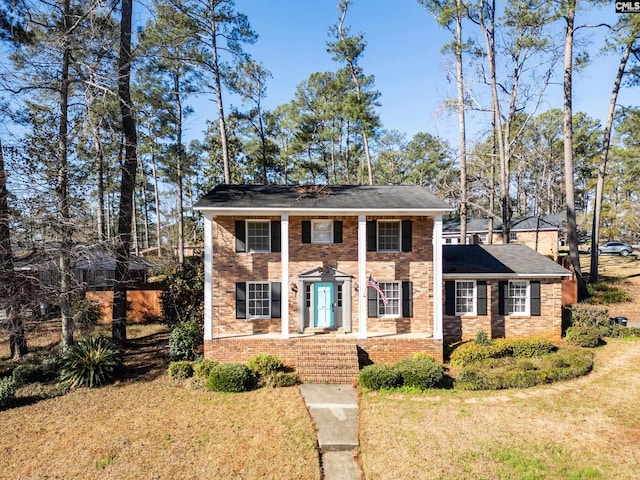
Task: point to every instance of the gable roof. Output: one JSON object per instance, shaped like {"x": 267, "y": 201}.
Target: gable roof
{"x": 492, "y": 261}
{"x": 520, "y": 224}
{"x": 324, "y": 199}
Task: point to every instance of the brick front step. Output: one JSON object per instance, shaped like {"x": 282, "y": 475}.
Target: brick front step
{"x": 327, "y": 362}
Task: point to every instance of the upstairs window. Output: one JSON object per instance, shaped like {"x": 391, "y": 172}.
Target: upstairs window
{"x": 258, "y": 235}
{"x": 321, "y": 231}
{"x": 388, "y": 236}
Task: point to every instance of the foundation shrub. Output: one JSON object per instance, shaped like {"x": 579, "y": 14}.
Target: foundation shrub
{"x": 91, "y": 362}
{"x": 483, "y": 339}
{"x": 180, "y": 370}
{"x": 231, "y": 377}
{"x": 421, "y": 372}
{"x": 185, "y": 340}
{"x": 588, "y": 337}
{"x": 203, "y": 368}
{"x": 7, "y": 391}
{"x": 264, "y": 364}
{"x": 584, "y": 315}
{"x": 471, "y": 352}
{"x": 382, "y": 376}
{"x": 279, "y": 379}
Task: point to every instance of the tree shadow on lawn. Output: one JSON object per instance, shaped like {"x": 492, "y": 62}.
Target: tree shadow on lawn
{"x": 146, "y": 358}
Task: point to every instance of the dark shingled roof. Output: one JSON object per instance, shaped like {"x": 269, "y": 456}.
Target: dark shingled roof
{"x": 481, "y": 225}
{"x": 514, "y": 260}
{"x": 321, "y": 197}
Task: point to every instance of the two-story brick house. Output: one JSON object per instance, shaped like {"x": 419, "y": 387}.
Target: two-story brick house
{"x": 327, "y": 278}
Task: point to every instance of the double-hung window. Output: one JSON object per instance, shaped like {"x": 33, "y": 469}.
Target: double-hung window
{"x": 388, "y": 236}
{"x": 392, "y": 292}
{"x": 518, "y": 297}
{"x": 322, "y": 231}
{"x": 258, "y": 235}
{"x": 465, "y": 297}
{"x": 258, "y": 300}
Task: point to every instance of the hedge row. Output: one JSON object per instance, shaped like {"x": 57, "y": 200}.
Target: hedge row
{"x": 419, "y": 372}
{"x": 469, "y": 353}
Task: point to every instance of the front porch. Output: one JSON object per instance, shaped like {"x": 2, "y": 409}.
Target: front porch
{"x": 324, "y": 358}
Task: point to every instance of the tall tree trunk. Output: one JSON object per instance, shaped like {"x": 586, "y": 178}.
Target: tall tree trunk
{"x": 594, "y": 275}
{"x": 572, "y": 229}
{"x": 156, "y": 201}
{"x": 462, "y": 126}
{"x": 66, "y": 237}
{"x": 217, "y": 81}
{"x": 145, "y": 204}
{"x": 127, "y": 185}
{"x": 179, "y": 165}
{"x": 8, "y": 292}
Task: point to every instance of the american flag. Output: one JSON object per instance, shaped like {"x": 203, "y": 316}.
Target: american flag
{"x": 373, "y": 284}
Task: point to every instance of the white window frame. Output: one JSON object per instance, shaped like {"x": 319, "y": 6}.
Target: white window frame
{"x": 394, "y": 302}
{"x": 397, "y": 222}
{"x": 513, "y": 236}
{"x": 248, "y": 237}
{"x": 473, "y": 297}
{"x": 483, "y": 237}
{"x": 527, "y": 299}
{"x": 251, "y": 307}
{"x": 314, "y": 239}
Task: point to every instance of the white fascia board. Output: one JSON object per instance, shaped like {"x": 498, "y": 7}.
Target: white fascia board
{"x": 308, "y": 212}
{"x": 488, "y": 276}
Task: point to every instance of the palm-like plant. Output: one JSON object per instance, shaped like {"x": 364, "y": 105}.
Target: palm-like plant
{"x": 91, "y": 362}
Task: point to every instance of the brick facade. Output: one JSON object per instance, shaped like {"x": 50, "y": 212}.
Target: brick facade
{"x": 230, "y": 267}
{"x": 548, "y": 324}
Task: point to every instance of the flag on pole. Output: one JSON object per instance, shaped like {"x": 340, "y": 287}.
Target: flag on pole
{"x": 373, "y": 284}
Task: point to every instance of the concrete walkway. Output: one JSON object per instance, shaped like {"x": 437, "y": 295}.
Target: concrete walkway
{"x": 334, "y": 411}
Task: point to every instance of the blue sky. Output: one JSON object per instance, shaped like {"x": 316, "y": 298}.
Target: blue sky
{"x": 403, "y": 52}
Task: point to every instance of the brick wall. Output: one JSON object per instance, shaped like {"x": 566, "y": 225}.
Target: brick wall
{"x": 230, "y": 267}
{"x": 371, "y": 350}
{"x": 548, "y": 324}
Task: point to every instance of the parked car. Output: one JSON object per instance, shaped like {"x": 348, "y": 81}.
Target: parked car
{"x": 619, "y": 248}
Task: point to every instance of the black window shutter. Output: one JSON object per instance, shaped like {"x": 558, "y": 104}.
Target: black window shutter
{"x": 450, "y": 298}
{"x": 275, "y": 236}
{"x": 535, "y": 299}
{"x": 503, "y": 294}
{"x": 241, "y": 235}
{"x": 406, "y": 235}
{"x": 241, "y": 300}
{"x": 372, "y": 236}
{"x": 306, "y": 231}
{"x": 481, "y": 291}
{"x": 372, "y": 302}
{"x": 407, "y": 299}
{"x": 337, "y": 231}
{"x": 275, "y": 299}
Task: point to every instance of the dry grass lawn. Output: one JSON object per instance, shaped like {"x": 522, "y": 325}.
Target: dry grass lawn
{"x": 146, "y": 428}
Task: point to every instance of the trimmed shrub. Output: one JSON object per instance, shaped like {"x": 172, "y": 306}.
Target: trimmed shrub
{"x": 91, "y": 362}
{"x": 231, "y": 377}
{"x": 588, "y": 337}
{"x": 471, "y": 352}
{"x": 184, "y": 340}
{"x": 420, "y": 372}
{"x": 202, "y": 369}
{"x": 7, "y": 391}
{"x": 626, "y": 332}
{"x": 264, "y": 364}
{"x": 583, "y": 315}
{"x": 483, "y": 339}
{"x": 605, "y": 294}
{"x": 280, "y": 379}
{"x": 376, "y": 377}
{"x": 180, "y": 370}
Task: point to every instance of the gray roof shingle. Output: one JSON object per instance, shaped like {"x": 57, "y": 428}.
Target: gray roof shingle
{"x": 520, "y": 224}
{"x": 321, "y": 197}
{"x": 501, "y": 260}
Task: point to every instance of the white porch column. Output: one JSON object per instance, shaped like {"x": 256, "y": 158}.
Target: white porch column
{"x": 362, "y": 276}
{"x": 284, "y": 262}
{"x": 208, "y": 277}
{"x": 437, "y": 277}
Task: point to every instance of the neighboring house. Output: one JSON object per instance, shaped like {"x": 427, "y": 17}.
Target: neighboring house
{"x": 324, "y": 276}
{"x": 541, "y": 233}
{"x": 503, "y": 290}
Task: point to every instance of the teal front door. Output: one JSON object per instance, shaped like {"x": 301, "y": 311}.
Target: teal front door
{"x": 323, "y": 301}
